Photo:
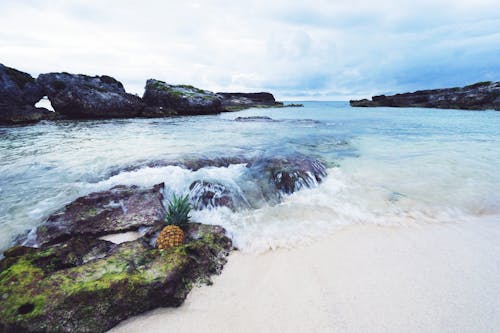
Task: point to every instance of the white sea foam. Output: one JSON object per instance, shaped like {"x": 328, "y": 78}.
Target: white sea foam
{"x": 396, "y": 166}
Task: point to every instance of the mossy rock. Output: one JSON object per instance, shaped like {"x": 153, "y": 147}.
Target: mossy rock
{"x": 41, "y": 294}
{"x": 183, "y": 99}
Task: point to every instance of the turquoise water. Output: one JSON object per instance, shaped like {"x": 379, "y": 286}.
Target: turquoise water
{"x": 385, "y": 165}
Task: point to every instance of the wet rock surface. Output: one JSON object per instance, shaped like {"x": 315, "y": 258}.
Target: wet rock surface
{"x": 120, "y": 209}
{"x": 479, "y": 96}
{"x": 81, "y": 96}
{"x": 193, "y": 164}
{"x": 254, "y": 118}
{"x": 68, "y": 288}
{"x": 289, "y": 174}
{"x": 161, "y": 97}
{"x": 210, "y": 194}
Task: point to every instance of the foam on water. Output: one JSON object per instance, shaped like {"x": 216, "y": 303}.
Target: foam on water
{"x": 386, "y": 166}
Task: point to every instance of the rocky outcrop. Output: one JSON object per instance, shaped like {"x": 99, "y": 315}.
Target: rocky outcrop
{"x": 236, "y": 101}
{"x": 81, "y": 283}
{"x": 163, "y": 98}
{"x": 211, "y": 194}
{"x": 479, "y": 96}
{"x": 289, "y": 174}
{"x": 264, "y": 179}
{"x": 19, "y": 93}
{"x": 120, "y": 209}
{"x": 254, "y": 119}
{"x": 89, "y": 285}
{"x": 80, "y": 96}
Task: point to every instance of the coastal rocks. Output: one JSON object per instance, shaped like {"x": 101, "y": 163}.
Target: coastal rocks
{"x": 161, "y": 97}
{"x": 289, "y": 174}
{"x": 92, "y": 285}
{"x": 19, "y": 93}
{"x": 85, "y": 97}
{"x": 120, "y": 209}
{"x": 479, "y": 96}
{"x": 209, "y": 194}
{"x": 254, "y": 118}
{"x": 238, "y": 101}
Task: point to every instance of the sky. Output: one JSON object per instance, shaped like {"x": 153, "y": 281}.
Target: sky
{"x": 298, "y": 50}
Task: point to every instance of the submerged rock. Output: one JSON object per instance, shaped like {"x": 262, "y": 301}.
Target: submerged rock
{"x": 85, "y": 97}
{"x": 479, "y": 96}
{"x": 210, "y": 194}
{"x": 120, "y": 209}
{"x": 161, "y": 97}
{"x": 92, "y": 285}
{"x": 193, "y": 164}
{"x": 289, "y": 174}
{"x": 254, "y": 118}
{"x": 19, "y": 93}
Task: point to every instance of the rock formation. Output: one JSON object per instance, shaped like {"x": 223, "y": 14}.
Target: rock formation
{"x": 167, "y": 99}
{"x": 80, "y": 96}
{"x": 479, "y": 96}
{"x": 80, "y": 283}
{"x": 19, "y": 93}
{"x": 237, "y": 101}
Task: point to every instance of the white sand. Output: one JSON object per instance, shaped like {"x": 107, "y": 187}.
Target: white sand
{"x": 425, "y": 278}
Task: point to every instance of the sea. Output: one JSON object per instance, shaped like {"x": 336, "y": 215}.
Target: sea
{"x": 386, "y": 166}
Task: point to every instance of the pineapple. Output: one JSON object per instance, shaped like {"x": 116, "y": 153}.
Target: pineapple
{"x": 177, "y": 217}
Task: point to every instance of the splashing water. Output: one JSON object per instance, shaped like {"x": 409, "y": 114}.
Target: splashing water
{"x": 385, "y": 166}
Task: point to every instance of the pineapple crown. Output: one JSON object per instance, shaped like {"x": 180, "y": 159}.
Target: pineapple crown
{"x": 178, "y": 211}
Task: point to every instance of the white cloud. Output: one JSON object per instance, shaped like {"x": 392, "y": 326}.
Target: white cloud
{"x": 317, "y": 49}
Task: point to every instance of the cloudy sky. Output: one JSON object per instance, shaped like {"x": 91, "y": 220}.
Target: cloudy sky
{"x": 305, "y": 49}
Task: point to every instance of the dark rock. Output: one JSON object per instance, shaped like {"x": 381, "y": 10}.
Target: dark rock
{"x": 55, "y": 289}
{"x": 479, "y": 96}
{"x": 238, "y": 101}
{"x": 24, "y": 114}
{"x": 289, "y": 174}
{"x": 193, "y": 164}
{"x": 210, "y": 194}
{"x": 19, "y": 93}
{"x": 254, "y": 118}
{"x": 120, "y": 209}
{"x": 180, "y": 99}
{"x": 18, "y": 88}
{"x": 87, "y": 97}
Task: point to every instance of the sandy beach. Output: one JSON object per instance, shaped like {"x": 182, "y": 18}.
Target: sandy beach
{"x": 365, "y": 278}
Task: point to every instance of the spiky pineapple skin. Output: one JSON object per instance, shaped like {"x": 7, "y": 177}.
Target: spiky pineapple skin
{"x": 170, "y": 236}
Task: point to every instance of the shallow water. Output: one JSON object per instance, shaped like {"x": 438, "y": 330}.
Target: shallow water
{"x": 385, "y": 166}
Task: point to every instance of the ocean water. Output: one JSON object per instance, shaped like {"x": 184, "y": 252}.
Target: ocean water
{"x": 385, "y": 166}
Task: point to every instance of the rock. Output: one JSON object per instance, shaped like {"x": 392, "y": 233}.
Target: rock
{"x": 120, "y": 209}
{"x": 24, "y": 114}
{"x": 86, "y": 97}
{"x": 238, "y": 101}
{"x": 479, "y": 96}
{"x": 18, "y": 88}
{"x": 289, "y": 174}
{"x": 180, "y": 99}
{"x": 254, "y": 118}
{"x": 19, "y": 93}
{"x": 211, "y": 194}
{"x": 61, "y": 288}
{"x": 193, "y": 164}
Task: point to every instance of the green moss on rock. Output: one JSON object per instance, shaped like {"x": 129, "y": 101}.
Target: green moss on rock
{"x": 41, "y": 290}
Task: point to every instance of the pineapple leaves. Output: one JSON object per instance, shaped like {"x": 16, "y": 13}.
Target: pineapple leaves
{"x": 178, "y": 211}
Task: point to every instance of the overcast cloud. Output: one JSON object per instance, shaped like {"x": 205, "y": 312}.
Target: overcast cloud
{"x": 309, "y": 49}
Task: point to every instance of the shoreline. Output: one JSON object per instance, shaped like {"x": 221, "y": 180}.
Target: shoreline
{"x": 424, "y": 277}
